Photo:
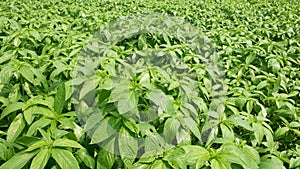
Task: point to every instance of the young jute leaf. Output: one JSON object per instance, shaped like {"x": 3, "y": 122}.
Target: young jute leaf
{"x": 59, "y": 101}
{"x": 63, "y": 142}
{"x": 106, "y": 159}
{"x": 195, "y": 155}
{"x": 27, "y": 73}
{"x": 18, "y": 160}
{"x": 116, "y": 84}
{"x": 11, "y": 108}
{"x": 88, "y": 86}
{"x": 103, "y": 132}
{"x": 36, "y": 145}
{"x": 64, "y": 158}
{"x": 128, "y": 147}
{"x": 38, "y": 124}
{"x": 158, "y": 164}
{"x": 41, "y": 159}
{"x": 192, "y": 125}
{"x": 15, "y": 128}
{"x": 127, "y": 102}
{"x": 271, "y": 164}
{"x": 159, "y": 98}
{"x": 170, "y": 129}
{"x": 234, "y": 154}
{"x": 86, "y": 158}
{"x": 29, "y": 114}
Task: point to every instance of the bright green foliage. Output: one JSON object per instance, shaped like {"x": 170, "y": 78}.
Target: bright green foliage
{"x": 258, "y": 43}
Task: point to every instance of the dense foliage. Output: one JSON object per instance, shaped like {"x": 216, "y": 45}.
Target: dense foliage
{"x": 258, "y": 44}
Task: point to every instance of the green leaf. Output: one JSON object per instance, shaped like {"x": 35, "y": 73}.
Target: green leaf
{"x": 103, "y": 132}
{"x": 4, "y": 101}
{"x": 46, "y": 136}
{"x": 271, "y": 164}
{"x": 57, "y": 133}
{"x": 195, "y": 155}
{"x": 59, "y": 68}
{"x": 5, "y": 152}
{"x": 15, "y": 128}
{"x": 7, "y": 56}
{"x": 249, "y": 106}
{"x": 87, "y": 159}
{"x": 59, "y": 101}
{"x": 140, "y": 166}
{"x": 175, "y": 154}
{"x": 250, "y": 58}
{"x": 250, "y": 151}
{"x": 27, "y": 73}
{"x": 234, "y": 154}
{"x": 193, "y": 126}
{"x": 227, "y": 132}
{"x": 296, "y": 131}
{"x": 67, "y": 122}
{"x": 41, "y": 159}
{"x": 220, "y": 164}
{"x": 128, "y": 147}
{"x": 183, "y": 137}
{"x": 103, "y": 95}
{"x": 36, "y": 35}
{"x": 263, "y": 110}
{"x": 106, "y": 159}
{"x": 280, "y": 132}
{"x": 233, "y": 109}
{"x": 171, "y": 127}
{"x": 11, "y": 108}
{"x": 74, "y": 52}
{"x": 142, "y": 42}
{"x": 131, "y": 125}
{"x": 40, "y": 78}
{"x": 262, "y": 84}
{"x": 38, "y": 124}
{"x": 17, "y": 41}
{"x": 6, "y": 74}
{"x": 38, "y": 110}
{"x": 119, "y": 89}
{"x": 188, "y": 155}
{"x": 294, "y": 124}
{"x": 39, "y": 101}
{"x": 19, "y": 160}
{"x": 238, "y": 120}
{"x": 295, "y": 162}
{"x": 191, "y": 108}
{"x": 63, "y": 142}
{"x": 153, "y": 145}
{"x": 29, "y": 114}
{"x": 93, "y": 120}
{"x": 159, "y": 98}
{"x": 88, "y": 86}
{"x": 64, "y": 158}
{"x": 15, "y": 94}
{"x": 158, "y": 164}
{"x": 274, "y": 64}
{"x": 27, "y": 141}
{"x": 207, "y": 84}
{"x": 175, "y": 158}
{"x": 127, "y": 102}
{"x": 37, "y": 145}
{"x": 258, "y": 131}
